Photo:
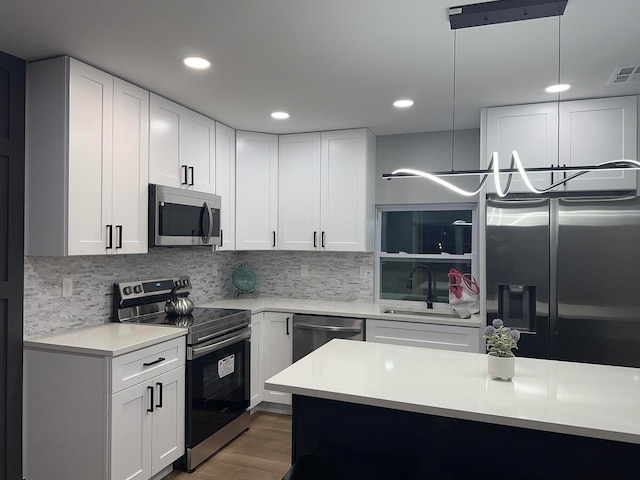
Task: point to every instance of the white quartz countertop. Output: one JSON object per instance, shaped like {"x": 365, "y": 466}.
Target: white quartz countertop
{"x": 107, "y": 340}
{"x": 588, "y": 400}
{"x": 344, "y": 309}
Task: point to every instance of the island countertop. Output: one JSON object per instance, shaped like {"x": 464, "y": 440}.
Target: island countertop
{"x": 587, "y": 400}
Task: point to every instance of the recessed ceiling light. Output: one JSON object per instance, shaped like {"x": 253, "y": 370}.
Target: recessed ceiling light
{"x": 405, "y": 103}
{"x": 196, "y": 62}
{"x": 561, "y": 87}
{"x": 280, "y": 115}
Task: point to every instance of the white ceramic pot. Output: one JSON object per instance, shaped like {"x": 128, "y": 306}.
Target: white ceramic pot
{"x": 501, "y": 367}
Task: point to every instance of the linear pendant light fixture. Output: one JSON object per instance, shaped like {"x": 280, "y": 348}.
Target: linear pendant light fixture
{"x": 490, "y": 13}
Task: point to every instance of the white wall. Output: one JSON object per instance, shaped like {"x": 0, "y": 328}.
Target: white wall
{"x": 430, "y": 152}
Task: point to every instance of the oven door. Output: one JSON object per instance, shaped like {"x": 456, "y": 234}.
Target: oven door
{"x": 217, "y": 384}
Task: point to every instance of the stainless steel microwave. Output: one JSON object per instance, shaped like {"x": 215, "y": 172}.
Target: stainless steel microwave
{"x": 180, "y": 217}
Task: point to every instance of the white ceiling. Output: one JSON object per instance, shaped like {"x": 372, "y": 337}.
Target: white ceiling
{"x": 332, "y": 64}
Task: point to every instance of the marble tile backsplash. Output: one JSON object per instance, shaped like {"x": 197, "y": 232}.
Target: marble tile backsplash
{"x": 331, "y": 275}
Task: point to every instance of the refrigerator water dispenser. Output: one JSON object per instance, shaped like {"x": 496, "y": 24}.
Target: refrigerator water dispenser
{"x": 517, "y": 306}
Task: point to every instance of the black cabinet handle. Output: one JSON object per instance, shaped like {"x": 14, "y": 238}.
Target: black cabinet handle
{"x": 551, "y": 173}
{"x": 322, "y": 242}
{"x": 287, "y": 325}
{"x": 274, "y": 238}
{"x": 192, "y": 177}
{"x": 151, "y": 389}
{"x": 109, "y": 237}
{"x": 221, "y": 237}
{"x": 315, "y": 241}
{"x": 159, "y": 404}
{"x": 118, "y": 236}
{"x": 564, "y": 174}
{"x": 184, "y": 173}
{"x": 160, "y": 359}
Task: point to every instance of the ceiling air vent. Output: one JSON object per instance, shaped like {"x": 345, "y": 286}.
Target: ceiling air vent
{"x": 625, "y": 74}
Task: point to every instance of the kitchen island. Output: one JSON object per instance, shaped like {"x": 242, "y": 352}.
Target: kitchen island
{"x": 437, "y": 414}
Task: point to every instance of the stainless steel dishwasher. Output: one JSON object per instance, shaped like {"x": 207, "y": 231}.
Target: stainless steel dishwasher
{"x": 313, "y": 331}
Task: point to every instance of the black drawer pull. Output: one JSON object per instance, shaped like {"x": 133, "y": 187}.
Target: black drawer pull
{"x": 154, "y": 362}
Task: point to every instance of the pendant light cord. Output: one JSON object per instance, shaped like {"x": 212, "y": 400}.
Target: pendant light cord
{"x": 453, "y": 116}
{"x": 559, "y": 93}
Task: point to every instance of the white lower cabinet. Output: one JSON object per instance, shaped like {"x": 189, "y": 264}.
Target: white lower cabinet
{"x": 256, "y": 387}
{"x": 444, "y": 337}
{"x": 104, "y": 418}
{"x": 278, "y": 351}
{"x": 147, "y": 426}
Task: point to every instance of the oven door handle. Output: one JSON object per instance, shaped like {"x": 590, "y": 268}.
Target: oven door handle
{"x": 196, "y": 352}
{"x": 329, "y": 328}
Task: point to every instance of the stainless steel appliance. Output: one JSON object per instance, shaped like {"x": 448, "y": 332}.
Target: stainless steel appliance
{"x": 179, "y": 217}
{"x": 564, "y": 272}
{"x": 218, "y": 362}
{"x": 313, "y": 331}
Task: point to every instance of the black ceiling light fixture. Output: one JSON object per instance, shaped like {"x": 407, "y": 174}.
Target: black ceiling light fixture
{"x": 490, "y": 13}
{"x": 503, "y": 11}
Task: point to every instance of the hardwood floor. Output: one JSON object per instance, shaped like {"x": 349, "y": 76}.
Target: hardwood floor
{"x": 261, "y": 453}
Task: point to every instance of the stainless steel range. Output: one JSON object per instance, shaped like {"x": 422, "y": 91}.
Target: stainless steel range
{"x": 218, "y": 361}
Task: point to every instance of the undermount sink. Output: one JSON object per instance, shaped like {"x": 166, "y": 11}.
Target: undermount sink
{"x": 436, "y": 312}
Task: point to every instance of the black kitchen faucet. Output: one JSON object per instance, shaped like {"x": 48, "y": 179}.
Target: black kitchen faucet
{"x": 430, "y": 275}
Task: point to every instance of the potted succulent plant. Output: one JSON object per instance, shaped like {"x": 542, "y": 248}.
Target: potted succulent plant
{"x": 501, "y": 341}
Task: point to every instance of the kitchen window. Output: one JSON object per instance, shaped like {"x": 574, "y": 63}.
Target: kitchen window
{"x": 439, "y": 237}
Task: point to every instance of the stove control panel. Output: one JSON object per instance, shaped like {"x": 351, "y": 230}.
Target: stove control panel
{"x": 139, "y": 289}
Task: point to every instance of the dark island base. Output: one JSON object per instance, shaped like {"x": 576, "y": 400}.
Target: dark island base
{"x": 419, "y": 446}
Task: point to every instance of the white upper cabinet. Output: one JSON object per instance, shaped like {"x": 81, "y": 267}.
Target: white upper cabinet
{"x": 596, "y": 131}
{"x": 86, "y": 163}
{"x": 299, "y": 192}
{"x": 226, "y": 184}
{"x": 347, "y": 207}
{"x": 531, "y": 130}
{"x": 130, "y": 166}
{"x": 181, "y": 147}
{"x": 574, "y": 133}
{"x": 326, "y": 192}
{"x": 256, "y": 191}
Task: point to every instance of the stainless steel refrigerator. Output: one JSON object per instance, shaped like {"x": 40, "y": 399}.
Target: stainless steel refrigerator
{"x": 566, "y": 273}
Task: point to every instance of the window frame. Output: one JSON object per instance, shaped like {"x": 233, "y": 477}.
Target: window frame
{"x": 379, "y": 255}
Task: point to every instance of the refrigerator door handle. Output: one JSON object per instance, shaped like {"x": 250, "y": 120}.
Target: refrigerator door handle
{"x": 519, "y": 201}
{"x": 586, "y": 198}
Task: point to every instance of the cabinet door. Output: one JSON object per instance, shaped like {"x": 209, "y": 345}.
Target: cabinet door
{"x": 278, "y": 350}
{"x": 299, "y": 192}
{"x": 257, "y": 375}
{"x": 346, "y": 191}
{"x": 90, "y": 159}
{"x": 596, "y": 131}
{"x": 165, "y": 147}
{"x": 131, "y": 433}
{"x": 130, "y": 167}
{"x": 200, "y": 155}
{"x": 531, "y": 130}
{"x": 226, "y": 184}
{"x": 256, "y": 191}
{"x": 167, "y": 431}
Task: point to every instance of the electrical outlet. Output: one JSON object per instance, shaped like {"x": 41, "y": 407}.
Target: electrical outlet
{"x": 363, "y": 272}
{"x": 67, "y": 286}
{"x": 304, "y": 270}
{"x": 214, "y": 270}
